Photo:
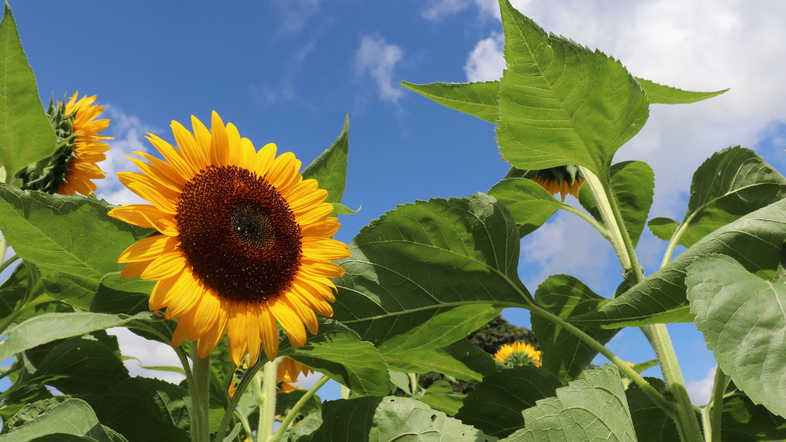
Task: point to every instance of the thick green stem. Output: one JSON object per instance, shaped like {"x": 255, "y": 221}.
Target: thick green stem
{"x": 200, "y": 399}
{"x": 602, "y": 230}
{"x": 683, "y": 416}
{"x": 266, "y": 398}
{"x": 296, "y": 409}
{"x": 10, "y": 261}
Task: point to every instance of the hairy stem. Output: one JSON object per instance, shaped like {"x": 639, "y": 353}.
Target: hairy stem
{"x": 266, "y": 398}
{"x": 712, "y": 412}
{"x": 683, "y": 415}
{"x": 200, "y": 398}
{"x": 248, "y": 378}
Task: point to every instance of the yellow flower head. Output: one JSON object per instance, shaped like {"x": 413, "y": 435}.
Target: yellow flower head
{"x": 88, "y": 149}
{"x": 518, "y": 353}
{"x": 245, "y": 242}
{"x": 563, "y": 179}
{"x": 288, "y": 372}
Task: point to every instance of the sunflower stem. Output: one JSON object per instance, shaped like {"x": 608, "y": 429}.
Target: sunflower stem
{"x": 682, "y": 414}
{"x": 296, "y": 409}
{"x": 266, "y": 398}
{"x": 713, "y": 411}
{"x": 247, "y": 380}
{"x": 200, "y": 398}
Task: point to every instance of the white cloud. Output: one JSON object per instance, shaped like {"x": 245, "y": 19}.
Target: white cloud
{"x": 295, "y": 14}
{"x": 700, "y": 391}
{"x": 438, "y": 9}
{"x": 147, "y": 353}
{"x": 566, "y": 244}
{"x": 128, "y": 132}
{"x": 378, "y": 59}
{"x": 703, "y": 45}
{"x": 485, "y": 62}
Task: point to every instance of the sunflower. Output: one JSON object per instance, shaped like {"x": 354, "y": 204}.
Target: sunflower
{"x": 88, "y": 149}
{"x": 288, "y": 372}
{"x": 564, "y": 179}
{"x": 245, "y": 241}
{"x": 518, "y": 353}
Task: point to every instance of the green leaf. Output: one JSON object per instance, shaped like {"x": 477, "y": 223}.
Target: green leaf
{"x": 424, "y": 361}
{"x": 652, "y": 424}
{"x": 27, "y": 135}
{"x": 339, "y": 353}
{"x": 466, "y": 250}
{"x": 754, "y": 240}
{"x": 163, "y": 407}
{"x": 561, "y": 103}
{"x": 729, "y": 184}
{"x": 594, "y": 408}
{"x": 441, "y": 330}
{"x": 658, "y": 93}
{"x": 663, "y": 228}
{"x": 742, "y": 319}
{"x": 476, "y": 99}
{"x": 744, "y": 421}
{"x": 440, "y": 396}
{"x": 530, "y": 204}
{"x": 79, "y": 365}
{"x": 120, "y": 295}
{"x": 388, "y": 419}
{"x": 564, "y": 354}
{"x": 69, "y": 417}
{"x": 68, "y": 236}
{"x": 51, "y": 326}
{"x": 496, "y": 404}
{"x": 330, "y": 168}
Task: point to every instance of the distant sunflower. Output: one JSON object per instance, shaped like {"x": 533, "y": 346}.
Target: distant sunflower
{"x": 288, "y": 372}
{"x": 88, "y": 148}
{"x": 518, "y": 353}
{"x": 245, "y": 243}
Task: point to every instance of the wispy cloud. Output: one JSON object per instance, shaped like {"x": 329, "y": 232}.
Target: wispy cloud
{"x": 485, "y": 62}
{"x": 128, "y": 132}
{"x": 378, "y": 59}
{"x": 700, "y": 391}
{"x": 294, "y": 15}
{"x": 436, "y": 10}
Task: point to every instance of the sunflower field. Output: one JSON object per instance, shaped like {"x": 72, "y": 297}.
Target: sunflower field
{"x": 233, "y": 264}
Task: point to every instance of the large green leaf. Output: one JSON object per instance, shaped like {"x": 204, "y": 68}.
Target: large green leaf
{"x": 330, "y": 168}
{"x": 51, "y": 326}
{"x": 388, "y": 419}
{"x": 731, "y": 183}
{"x": 530, "y": 204}
{"x": 744, "y": 421}
{"x": 561, "y": 103}
{"x": 743, "y": 320}
{"x": 80, "y": 365}
{"x": 754, "y": 240}
{"x": 426, "y": 258}
{"x": 440, "y": 396}
{"x": 163, "y": 407}
{"x": 476, "y": 99}
{"x": 70, "y": 238}
{"x": 339, "y": 353}
{"x": 564, "y": 354}
{"x": 27, "y": 136}
{"x": 594, "y": 408}
{"x": 68, "y": 417}
{"x": 496, "y": 404}
{"x": 658, "y": 93}
{"x": 424, "y": 347}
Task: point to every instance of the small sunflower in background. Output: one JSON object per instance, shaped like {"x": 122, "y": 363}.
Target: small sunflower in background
{"x": 565, "y": 180}
{"x": 72, "y": 167}
{"x": 287, "y": 374}
{"x": 245, "y": 244}
{"x": 517, "y": 354}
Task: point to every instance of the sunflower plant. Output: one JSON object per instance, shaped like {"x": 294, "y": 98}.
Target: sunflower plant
{"x": 233, "y": 263}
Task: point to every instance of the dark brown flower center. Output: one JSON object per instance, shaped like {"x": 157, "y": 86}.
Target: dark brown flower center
{"x": 238, "y": 234}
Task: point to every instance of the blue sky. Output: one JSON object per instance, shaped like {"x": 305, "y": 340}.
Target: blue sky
{"x": 287, "y": 71}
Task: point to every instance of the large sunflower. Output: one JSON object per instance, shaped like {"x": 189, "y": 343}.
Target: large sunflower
{"x": 245, "y": 241}
{"x": 88, "y": 148}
